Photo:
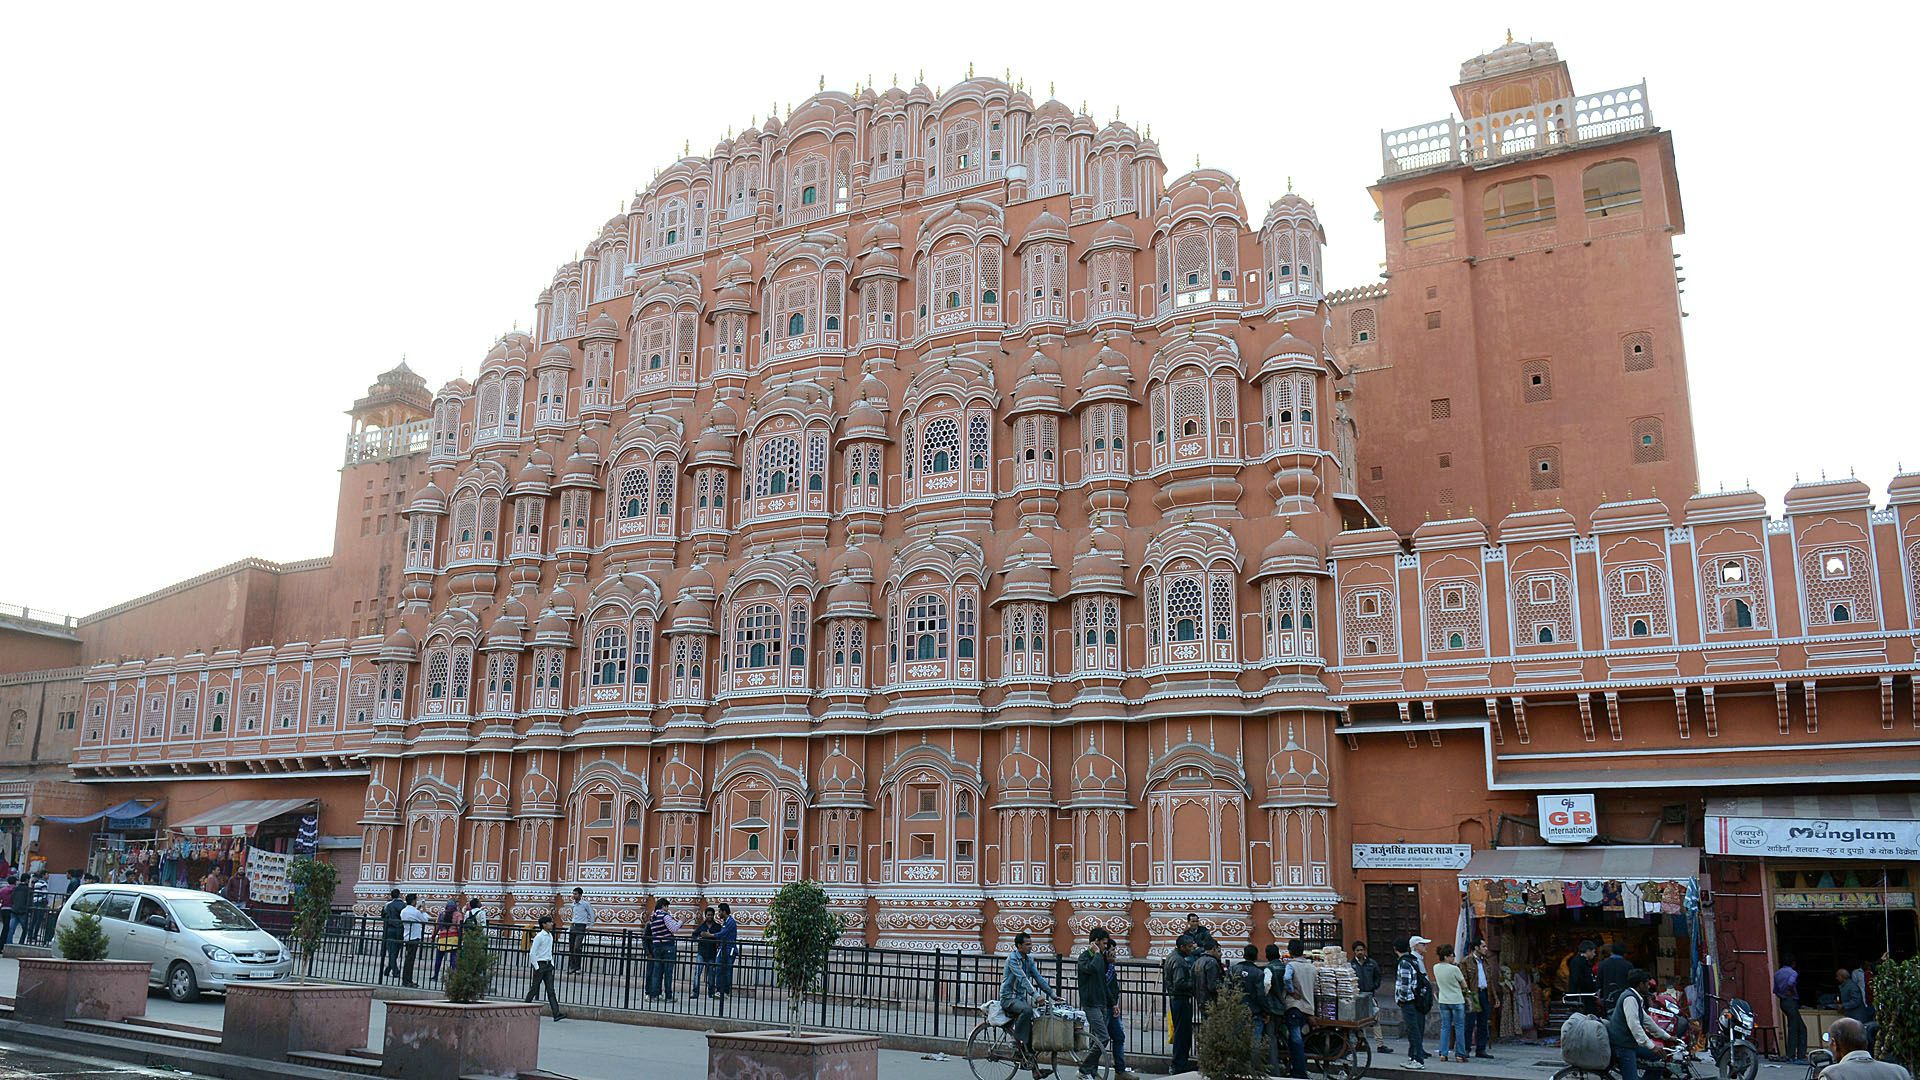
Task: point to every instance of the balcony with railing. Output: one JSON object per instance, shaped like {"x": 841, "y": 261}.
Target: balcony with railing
{"x": 379, "y": 444}
{"x": 1540, "y": 126}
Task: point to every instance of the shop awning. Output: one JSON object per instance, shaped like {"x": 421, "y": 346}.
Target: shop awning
{"x": 238, "y": 818}
{"x": 1623, "y": 863}
{"x": 1816, "y": 826}
{"x": 132, "y": 808}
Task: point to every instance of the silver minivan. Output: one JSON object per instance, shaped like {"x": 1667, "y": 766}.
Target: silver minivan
{"x": 194, "y": 940}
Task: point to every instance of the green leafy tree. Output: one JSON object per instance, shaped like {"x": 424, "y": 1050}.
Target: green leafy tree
{"x": 82, "y": 939}
{"x": 1224, "y": 1043}
{"x": 1896, "y": 994}
{"x": 802, "y": 931}
{"x": 313, "y": 883}
{"x": 472, "y": 967}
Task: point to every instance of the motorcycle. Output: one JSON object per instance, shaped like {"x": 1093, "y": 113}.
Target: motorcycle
{"x": 1731, "y": 1044}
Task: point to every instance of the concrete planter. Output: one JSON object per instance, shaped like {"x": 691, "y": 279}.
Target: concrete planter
{"x": 775, "y": 1055}
{"x": 270, "y": 1020}
{"x": 442, "y": 1040}
{"x": 51, "y": 992}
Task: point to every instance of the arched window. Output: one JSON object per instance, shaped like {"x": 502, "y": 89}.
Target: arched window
{"x": 1544, "y": 635}
{"x": 988, "y": 296}
{"x": 1526, "y": 203}
{"x": 1428, "y": 219}
{"x": 756, "y": 637}
{"x": 1638, "y": 628}
{"x": 1610, "y": 188}
{"x": 926, "y": 628}
{"x": 809, "y": 195}
{"x": 1737, "y": 614}
{"x": 941, "y": 445}
{"x": 1841, "y": 614}
{"x": 796, "y": 323}
{"x": 609, "y": 657}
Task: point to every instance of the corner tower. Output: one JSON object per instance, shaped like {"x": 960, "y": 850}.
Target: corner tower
{"x": 1525, "y": 351}
{"x": 385, "y": 460}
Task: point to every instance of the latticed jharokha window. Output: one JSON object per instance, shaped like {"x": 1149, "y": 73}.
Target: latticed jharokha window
{"x": 1519, "y": 204}
{"x": 1610, "y": 188}
{"x": 1428, "y": 220}
{"x": 926, "y": 629}
{"x": 1636, "y": 351}
{"x": 1649, "y": 440}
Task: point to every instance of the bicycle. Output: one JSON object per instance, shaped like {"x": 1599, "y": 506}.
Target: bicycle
{"x": 992, "y": 1054}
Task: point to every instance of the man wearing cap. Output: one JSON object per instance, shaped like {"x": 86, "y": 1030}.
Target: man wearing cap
{"x": 1412, "y": 991}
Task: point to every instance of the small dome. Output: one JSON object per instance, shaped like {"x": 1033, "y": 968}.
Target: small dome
{"x": 399, "y": 645}
{"x": 712, "y": 448}
{"x": 1291, "y": 554}
{"x": 690, "y": 615}
{"x": 602, "y": 328}
{"x": 848, "y": 599}
{"x": 865, "y": 422}
{"x": 1052, "y": 111}
{"x": 733, "y": 296}
{"x": 1107, "y": 378}
{"x": 1048, "y": 226}
{"x": 853, "y": 562}
{"x": 736, "y": 268}
{"x": 428, "y": 500}
{"x": 535, "y": 475}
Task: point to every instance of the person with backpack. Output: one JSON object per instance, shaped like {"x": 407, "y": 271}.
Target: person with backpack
{"x": 1300, "y": 1004}
{"x": 1176, "y": 979}
{"x": 1413, "y": 992}
{"x": 1629, "y": 1031}
{"x": 1099, "y": 998}
{"x": 1250, "y": 978}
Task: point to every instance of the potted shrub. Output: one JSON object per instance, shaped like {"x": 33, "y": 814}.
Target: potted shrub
{"x": 465, "y": 1035}
{"x": 271, "y": 1020}
{"x": 1224, "y": 1047}
{"x": 802, "y": 930}
{"x": 78, "y": 981}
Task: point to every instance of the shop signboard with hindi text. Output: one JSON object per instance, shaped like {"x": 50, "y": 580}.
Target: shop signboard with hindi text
{"x": 1411, "y": 856}
{"x": 13, "y": 806}
{"x": 1568, "y": 819}
{"x": 1810, "y": 838}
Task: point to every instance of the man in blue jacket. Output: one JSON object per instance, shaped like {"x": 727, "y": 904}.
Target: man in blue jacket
{"x": 1023, "y": 989}
{"x": 729, "y": 937}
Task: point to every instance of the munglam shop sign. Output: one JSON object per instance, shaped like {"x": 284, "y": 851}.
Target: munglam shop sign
{"x": 1813, "y": 838}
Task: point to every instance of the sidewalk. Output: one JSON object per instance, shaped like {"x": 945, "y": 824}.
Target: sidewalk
{"x": 598, "y": 1050}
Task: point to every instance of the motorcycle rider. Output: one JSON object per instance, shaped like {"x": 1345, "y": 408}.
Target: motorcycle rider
{"x": 1630, "y": 1030}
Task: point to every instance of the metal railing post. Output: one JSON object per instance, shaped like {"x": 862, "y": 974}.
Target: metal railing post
{"x": 937, "y": 1024}
{"x": 626, "y": 969}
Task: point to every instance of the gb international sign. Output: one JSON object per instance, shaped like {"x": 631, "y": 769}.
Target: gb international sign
{"x": 1568, "y": 819}
{"x": 1411, "y": 856}
{"x": 1819, "y": 838}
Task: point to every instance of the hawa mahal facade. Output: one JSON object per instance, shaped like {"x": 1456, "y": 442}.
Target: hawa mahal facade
{"x": 928, "y": 494}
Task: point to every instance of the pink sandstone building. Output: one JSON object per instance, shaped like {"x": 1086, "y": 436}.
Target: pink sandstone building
{"x": 929, "y": 494}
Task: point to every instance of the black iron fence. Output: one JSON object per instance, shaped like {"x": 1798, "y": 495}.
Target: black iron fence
{"x": 930, "y": 995}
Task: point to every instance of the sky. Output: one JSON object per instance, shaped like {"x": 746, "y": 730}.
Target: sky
{"x": 219, "y": 223}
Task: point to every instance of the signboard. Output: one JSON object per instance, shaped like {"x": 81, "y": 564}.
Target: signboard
{"x": 1840, "y": 900}
{"x": 13, "y": 806}
{"x": 267, "y": 876}
{"x": 129, "y": 824}
{"x": 1411, "y": 856}
{"x": 1568, "y": 819}
{"x": 1822, "y": 838}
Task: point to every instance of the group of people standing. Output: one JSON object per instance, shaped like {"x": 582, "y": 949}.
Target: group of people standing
{"x": 25, "y": 900}
{"x": 403, "y": 926}
{"x": 1851, "y": 1002}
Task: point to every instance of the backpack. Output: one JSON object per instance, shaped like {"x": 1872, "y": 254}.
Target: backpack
{"x": 1180, "y": 976}
{"x": 1422, "y": 999}
{"x": 1253, "y": 986}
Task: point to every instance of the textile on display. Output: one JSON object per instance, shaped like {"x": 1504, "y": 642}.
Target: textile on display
{"x": 267, "y": 875}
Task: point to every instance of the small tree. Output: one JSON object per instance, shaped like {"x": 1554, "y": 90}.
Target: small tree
{"x": 802, "y": 931}
{"x": 313, "y": 885}
{"x": 1224, "y": 1044}
{"x": 472, "y": 967}
{"x": 1896, "y": 1001}
{"x": 82, "y": 939}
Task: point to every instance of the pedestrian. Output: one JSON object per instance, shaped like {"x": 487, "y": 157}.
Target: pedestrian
{"x": 1279, "y": 1051}
{"x": 1100, "y": 998}
{"x": 1786, "y": 990}
{"x": 1582, "y": 983}
{"x": 446, "y": 936}
{"x": 1482, "y": 972}
{"x": 414, "y": 921}
{"x": 1203, "y": 940}
{"x": 1366, "y": 973}
{"x": 579, "y": 917}
{"x": 729, "y": 939}
{"x": 1612, "y": 973}
{"x": 1022, "y": 990}
{"x": 706, "y": 944}
{"x": 1176, "y": 980}
{"x": 6, "y": 909}
{"x": 1251, "y": 980}
{"x": 661, "y": 930}
{"x": 1629, "y": 1030}
{"x": 540, "y": 959}
{"x": 1449, "y": 992}
{"x": 1850, "y": 1044}
{"x": 37, "y": 921}
{"x": 1207, "y": 974}
{"x": 1413, "y": 992}
{"x": 476, "y": 915}
{"x": 392, "y": 932}
{"x": 1300, "y": 1004}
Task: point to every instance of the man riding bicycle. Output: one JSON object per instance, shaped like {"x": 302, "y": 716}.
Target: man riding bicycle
{"x": 1022, "y": 989}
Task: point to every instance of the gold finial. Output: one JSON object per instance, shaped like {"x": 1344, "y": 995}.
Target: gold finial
{"x": 686, "y": 147}
{"x": 823, "y": 82}
{"x": 1514, "y": 505}
{"x": 1196, "y": 161}
{"x": 969, "y": 69}
{"x": 1049, "y": 87}
{"x": 1116, "y": 114}
{"x": 729, "y": 131}
{"x": 921, "y": 76}
{"x": 1509, "y": 35}
{"x": 894, "y": 78}
{"x": 1149, "y": 131}
{"x": 1289, "y": 185}
{"x": 1007, "y": 76}
{"x": 1083, "y": 106}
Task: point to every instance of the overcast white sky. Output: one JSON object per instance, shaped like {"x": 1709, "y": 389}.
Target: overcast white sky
{"x": 218, "y": 224}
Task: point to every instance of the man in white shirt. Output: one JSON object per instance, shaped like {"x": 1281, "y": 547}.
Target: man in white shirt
{"x": 540, "y": 961}
{"x": 414, "y": 921}
{"x": 579, "y": 917}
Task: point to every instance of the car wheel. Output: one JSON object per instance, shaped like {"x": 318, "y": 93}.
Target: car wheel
{"x": 181, "y": 984}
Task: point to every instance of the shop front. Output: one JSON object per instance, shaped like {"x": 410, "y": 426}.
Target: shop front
{"x": 1535, "y": 906}
{"x": 1826, "y": 881}
{"x": 14, "y": 837}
